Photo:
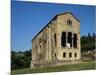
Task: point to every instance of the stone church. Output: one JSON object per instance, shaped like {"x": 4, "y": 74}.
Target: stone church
{"x": 58, "y": 42}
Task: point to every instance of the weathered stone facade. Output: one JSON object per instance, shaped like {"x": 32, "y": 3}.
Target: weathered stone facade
{"x": 58, "y": 42}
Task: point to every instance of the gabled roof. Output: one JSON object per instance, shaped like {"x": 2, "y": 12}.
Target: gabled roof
{"x": 52, "y": 20}
{"x": 68, "y": 13}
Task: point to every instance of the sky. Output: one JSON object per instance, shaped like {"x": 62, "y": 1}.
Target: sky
{"x": 28, "y": 18}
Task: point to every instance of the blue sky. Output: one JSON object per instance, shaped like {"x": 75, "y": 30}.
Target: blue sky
{"x": 28, "y": 18}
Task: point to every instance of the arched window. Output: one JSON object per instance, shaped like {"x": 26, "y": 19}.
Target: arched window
{"x": 55, "y": 39}
{"x": 69, "y": 38}
{"x": 40, "y": 40}
{"x": 55, "y": 55}
{"x": 75, "y": 41}
{"x": 63, "y": 39}
{"x": 64, "y": 55}
{"x": 69, "y": 22}
{"x": 75, "y": 55}
{"x": 70, "y": 55}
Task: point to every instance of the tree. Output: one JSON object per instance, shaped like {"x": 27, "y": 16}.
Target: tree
{"x": 20, "y": 59}
{"x": 88, "y": 42}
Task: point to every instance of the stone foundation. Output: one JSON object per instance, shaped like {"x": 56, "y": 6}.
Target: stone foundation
{"x": 54, "y": 63}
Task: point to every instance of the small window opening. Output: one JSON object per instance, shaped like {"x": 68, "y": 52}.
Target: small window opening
{"x": 69, "y": 22}
{"x": 75, "y": 55}
{"x": 45, "y": 42}
{"x": 64, "y": 54}
{"x": 55, "y": 39}
{"x": 70, "y": 55}
{"x": 55, "y": 55}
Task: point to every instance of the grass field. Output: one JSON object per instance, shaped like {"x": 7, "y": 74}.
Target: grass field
{"x": 74, "y": 67}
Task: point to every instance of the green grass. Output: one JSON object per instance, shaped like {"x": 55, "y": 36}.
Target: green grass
{"x": 74, "y": 67}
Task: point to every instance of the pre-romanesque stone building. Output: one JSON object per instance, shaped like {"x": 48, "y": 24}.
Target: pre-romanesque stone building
{"x": 58, "y": 42}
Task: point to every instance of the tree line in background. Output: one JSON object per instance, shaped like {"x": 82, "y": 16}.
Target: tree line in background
{"x": 22, "y": 59}
{"x": 88, "y": 42}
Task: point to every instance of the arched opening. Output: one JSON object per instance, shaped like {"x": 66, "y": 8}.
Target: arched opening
{"x": 75, "y": 55}
{"x": 55, "y": 39}
{"x": 63, "y": 39}
{"x": 69, "y": 22}
{"x": 40, "y": 40}
{"x": 75, "y": 41}
{"x": 64, "y": 55}
{"x": 69, "y": 38}
{"x": 55, "y": 55}
{"x": 70, "y": 55}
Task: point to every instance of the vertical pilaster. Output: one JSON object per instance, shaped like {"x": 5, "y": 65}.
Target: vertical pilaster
{"x": 49, "y": 44}
{"x": 72, "y": 40}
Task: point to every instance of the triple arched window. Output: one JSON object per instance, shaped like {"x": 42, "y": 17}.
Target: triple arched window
{"x": 70, "y": 39}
